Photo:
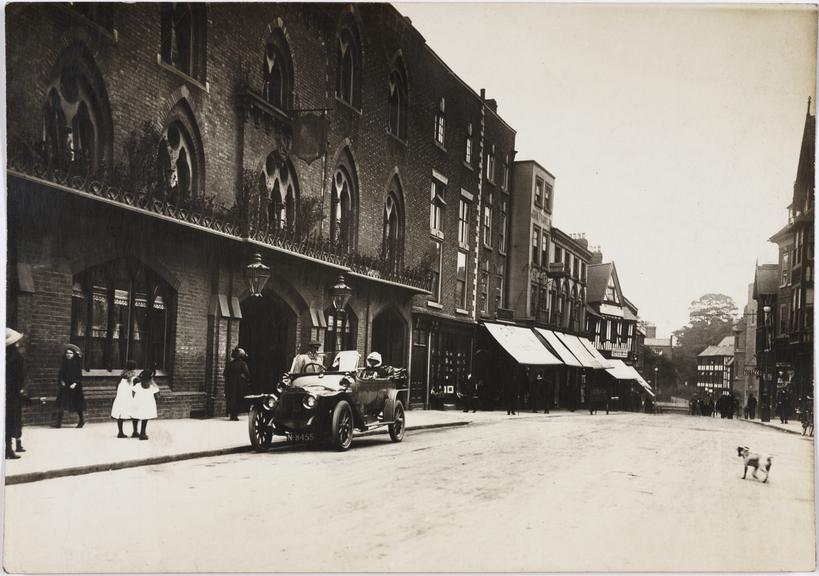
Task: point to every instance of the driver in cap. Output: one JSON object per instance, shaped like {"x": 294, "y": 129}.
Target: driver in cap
{"x": 306, "y": 361}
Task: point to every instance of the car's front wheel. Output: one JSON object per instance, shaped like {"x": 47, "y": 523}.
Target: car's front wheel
{"x": 342, "y": 432}
{"x": 261, "y": 435}
{"x": 399, "y": 423}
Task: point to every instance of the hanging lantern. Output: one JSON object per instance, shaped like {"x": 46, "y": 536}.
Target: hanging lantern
{"x": 340, "y": 293}
{"x": 257, "y": 275}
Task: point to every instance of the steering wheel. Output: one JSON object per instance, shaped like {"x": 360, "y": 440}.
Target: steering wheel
{"x": 310, "y": 364}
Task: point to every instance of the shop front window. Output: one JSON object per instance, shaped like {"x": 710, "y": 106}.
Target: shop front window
{"x": 122, "y": 311}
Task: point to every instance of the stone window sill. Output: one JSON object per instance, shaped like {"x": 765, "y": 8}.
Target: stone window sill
{"x": 436, "y": 305}
{"x": 186, "y": 77}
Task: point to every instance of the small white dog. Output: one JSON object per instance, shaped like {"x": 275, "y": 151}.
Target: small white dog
{"x": 755, "y": 461}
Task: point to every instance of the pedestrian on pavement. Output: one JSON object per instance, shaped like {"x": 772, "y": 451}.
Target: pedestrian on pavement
{"x": 15, "y": 391}
{"x": 122, "y": 408}
{"x": 513, "y": 386}
{"x": 538, "y": 390}
{"x": 70, "y": 395}
{"x": 787, "y": 406}
{"x": 467, "y": 393}
{"x": 237, "y": 379}
{"x": 752, "y": 406}
{"x": 780, "y": 405}
{"x": 307, "y": 360}
{"x": 144, "y": 405}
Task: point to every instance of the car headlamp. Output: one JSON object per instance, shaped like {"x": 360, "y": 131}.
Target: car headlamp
{"x": 270, "y": 402}
{"x": 309, "y": 401}
{"x": 280, "y": 387}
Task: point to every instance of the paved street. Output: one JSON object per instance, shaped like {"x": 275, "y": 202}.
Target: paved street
{"x": 575, "y": 492}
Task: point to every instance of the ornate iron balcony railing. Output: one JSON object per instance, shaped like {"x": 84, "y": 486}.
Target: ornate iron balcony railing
{"x": 76, "y": 175}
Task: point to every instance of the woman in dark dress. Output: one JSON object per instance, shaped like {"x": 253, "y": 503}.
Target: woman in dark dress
{"x": 237, "y": 379}
{"x": 70, "y": 395}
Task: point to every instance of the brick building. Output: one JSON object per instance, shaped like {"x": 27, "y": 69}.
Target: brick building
{"x": 785, "y": 319}
{"x": 153, "y": 151}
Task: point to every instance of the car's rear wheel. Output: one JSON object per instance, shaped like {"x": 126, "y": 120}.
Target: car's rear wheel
{"x": 261, "y": 435}
{"x": 399, "y": 423}
{"x": 342, "y": 432}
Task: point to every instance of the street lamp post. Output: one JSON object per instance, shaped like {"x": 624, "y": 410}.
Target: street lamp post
{"x": 257, "y": 275}
{"x": 657, "y": 379}
{"x": 340, "y": 294}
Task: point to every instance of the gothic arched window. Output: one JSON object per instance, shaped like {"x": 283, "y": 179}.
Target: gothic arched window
{"x": 348, "y": 68}
{"x": 176, "y": 160}
{"x": 277, "y": 71}
{"x": 71, "y": 123}
{"x": 279, "y": 187}
{"x": 398, "y": 102}
{"x": 393, "y": 242}
{"x": 341, "y": 209}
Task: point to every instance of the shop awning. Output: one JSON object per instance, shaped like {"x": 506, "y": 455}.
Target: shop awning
{"x": 623, "y": 371}
{"x": 560, "y": 349}
{"x": 619, "y": 370}
{"x": 522, "y": 344}
{"x": 594, "y": 352}
{"x": 579, "y": 351}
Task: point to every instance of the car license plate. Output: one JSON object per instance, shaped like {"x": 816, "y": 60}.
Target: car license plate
{"x": 300, "y": 436}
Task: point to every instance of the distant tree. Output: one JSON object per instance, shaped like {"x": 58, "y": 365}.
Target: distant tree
{"x": 710, "y": 319}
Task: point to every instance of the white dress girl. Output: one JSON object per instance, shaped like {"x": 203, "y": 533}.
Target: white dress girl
{"x": 124, "y": 400}
{"x": 144, "y": 404}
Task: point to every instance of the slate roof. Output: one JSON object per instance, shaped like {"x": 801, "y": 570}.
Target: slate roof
{"x": 724, "y": 348}
{"x": 767, "y": 279}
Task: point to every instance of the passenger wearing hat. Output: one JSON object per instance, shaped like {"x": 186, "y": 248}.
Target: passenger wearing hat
{"x": 70, "y": 395}
{"x": 237, "y": 379}
{"x": 302, "y": 362}
{"x": 375, "y": 367}
{"x": 15, "y": 376}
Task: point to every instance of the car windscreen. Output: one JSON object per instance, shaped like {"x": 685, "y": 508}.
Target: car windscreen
{"x": 345, "y": 361}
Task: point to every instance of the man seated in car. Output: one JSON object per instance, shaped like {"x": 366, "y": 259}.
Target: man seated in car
{"x": 374, "y": 368}
{"x": 302, "y": 362}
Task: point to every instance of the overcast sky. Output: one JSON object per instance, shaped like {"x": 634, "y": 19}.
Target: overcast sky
{"x": 674, "y": 131}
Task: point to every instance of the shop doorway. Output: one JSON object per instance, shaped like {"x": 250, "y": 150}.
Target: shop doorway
{"x": 267, "y": 334}
{"x": 389, "y": 338}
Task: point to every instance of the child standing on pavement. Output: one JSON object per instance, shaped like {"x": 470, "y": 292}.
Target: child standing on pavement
{"x": 144, "y": 406}
{"x": 123, "y": 402}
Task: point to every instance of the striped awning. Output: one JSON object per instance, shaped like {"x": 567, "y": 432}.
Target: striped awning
{"x": 583, "y": 356}
{"x": 594, "y": 352}
{"x": 560, "y": 349}
{"x": 522, "y": 344}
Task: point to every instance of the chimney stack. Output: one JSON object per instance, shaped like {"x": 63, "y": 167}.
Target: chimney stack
{"x": 596, "y": 255}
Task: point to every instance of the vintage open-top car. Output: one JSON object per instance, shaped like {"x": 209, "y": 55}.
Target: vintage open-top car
{"x": 327, "y": 405}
